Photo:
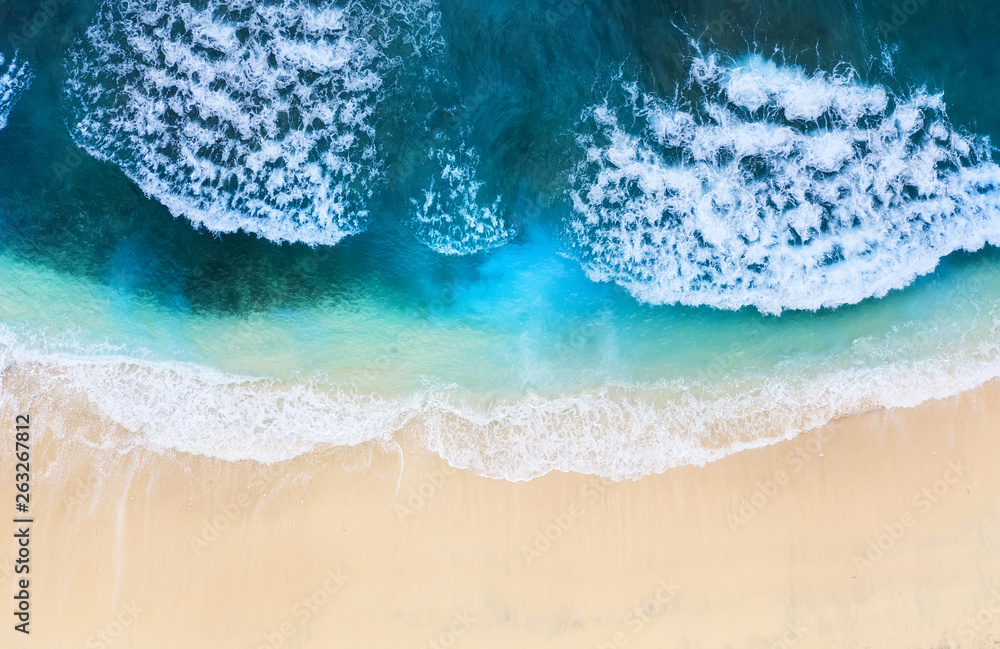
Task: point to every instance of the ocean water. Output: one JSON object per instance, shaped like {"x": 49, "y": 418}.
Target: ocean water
{"x": 577, "y": 235}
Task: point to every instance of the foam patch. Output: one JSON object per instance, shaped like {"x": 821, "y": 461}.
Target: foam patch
{"x": 776, "y": 189}
{"x": 451, "y": 217}
{"x": 15, "y": 77}
{"x": 239, "y": 114}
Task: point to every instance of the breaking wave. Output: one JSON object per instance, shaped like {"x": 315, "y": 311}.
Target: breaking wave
{"x": 775, "y": 188}
{"x": 449, "y": 217}
{"x": 15, "y": 77}
{"x": 242, "y": 114}
{"x": 618, "y": 432}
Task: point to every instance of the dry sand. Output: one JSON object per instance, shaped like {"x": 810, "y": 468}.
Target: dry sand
{"x": 389, "y": 548}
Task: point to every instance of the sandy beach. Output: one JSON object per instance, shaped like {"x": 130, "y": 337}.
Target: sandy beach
{"x": 371, "y": 324}
{"x": 879, "y": 530}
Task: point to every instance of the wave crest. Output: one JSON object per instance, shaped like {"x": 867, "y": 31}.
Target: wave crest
{"x": 776, "y": 189}
{"x": 15, "y": 78}
{"x": 449, "y": 218}
{"x": 621, "y": 433}
{"x": 236, "y": 114}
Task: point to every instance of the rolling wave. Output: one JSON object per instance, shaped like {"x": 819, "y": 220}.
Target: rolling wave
{"x": 619, "y": 432}
{"x": 449, "y": 218}
{"x": 776, "y": 189}
{"x": 15, "y": 77}
{"x": 239, "y": 114}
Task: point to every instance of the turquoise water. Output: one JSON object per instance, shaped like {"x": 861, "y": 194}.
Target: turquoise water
{"x": 577, "y": 235}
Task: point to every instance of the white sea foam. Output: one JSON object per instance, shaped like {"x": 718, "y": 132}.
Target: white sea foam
{"x": 15, "y": 77}
{"x": 626, "y": 434}
{"x": 617, "y": 432}
{"x": 199, "y": 410}
{"x": 777, "y": 189}
{"x": 451, "y": 217}
{"x": 240, "y": 114}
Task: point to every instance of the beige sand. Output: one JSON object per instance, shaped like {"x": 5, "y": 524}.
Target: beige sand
{"x": 770, "y": 548}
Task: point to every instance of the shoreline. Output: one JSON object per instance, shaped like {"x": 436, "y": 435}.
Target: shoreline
{"x": 618, "y": 431}
{"x": 879, "y": 529}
